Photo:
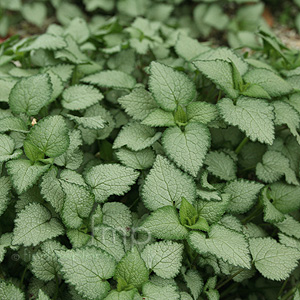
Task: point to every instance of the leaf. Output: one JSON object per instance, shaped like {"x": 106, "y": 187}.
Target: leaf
{"x": 243, "y": 195}
{"x": 42, "y": 296}
{"x": 274, "y": 85}
{"x": 5, "y": 187}
{"x": 252, "y": 116}
{"x": 30, "y": 94}
{"x": 155, "y": 292}
{"x": 188, "y": 48}
{"x": 44, "y": 263}
{"x": 77, "y": 205}
{"x": 110, "y": 179}
{"x": 118, "y": 216}
{"x": 132, "y": 269}
{"x": 169, "y": 87}
{"x": 35, "y": 224}
{"x": 159, "y": 118}
{"x": 78, "y": 29}
{"x": 34, "y": 13}
{"x": 273, "y": 260}
{"x": 136, "y": 137}
{"x": 164, "y": 258}
{"x": 124, "y": 295}
{"x": 107, "y": 239}
{"x": 24, "y": 174}
{"x": 139, "y": 160}
{"x": 13, "y": 124}
{"x": 166, "y": 185}
{"x": 285, "y": 197}
{"x": 48, "y": 42}
{"x": 201, "y": 112}
{"x": 220, "y": 73}
{"x": 88, "y": 270}
{"x": 138, "y": 104}
{"x": 187, "y": 212}
{"x": 5, "y": 88}
{"x": 289, "y": 226}
{"x": 9, "y": 291}
{"x": 80, "y": 96}
{"x": 164, "y": 223}
{"x": 187, "y": 148}
{"x": 111, "y": 79}
{"x": 273, "y": 166}
{"x": 221, "y": 165}
{"x": 52, "y": 191}
{"x": 286, "y": 114}
{"x": 194, "y": 282}
{"x": 224, "y": 243}
{"x": 7, "y": 146}
{"x": 96, "y": 122}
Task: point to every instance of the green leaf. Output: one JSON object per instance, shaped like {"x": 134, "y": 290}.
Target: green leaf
{"x": 273, "y": 166}
{"x": 110, "y": 179}
{"x": 96, "y": 122}
{"x": 88, "y": 270}
{"x": 44, "y": 263}
{"x": 289, "y": 226}
{"x": 118, "y": 216}
{"x": 224, "y": 243}
{"x": 286, "y": 114}
{"x": 194, "y": 282}
{"x": 24, "y": 174}
{"x": 139, "y": 160}
{"x": 78, "y": 204}
{"x": 163, "y": 258}
{"x": 13, "y": 124}
{"x": 220, "y": 73}
{"x": 9, "y": 291}
{"x": 164, "y": 223}
{"x": 136, "y": 136}
{"x": 227, "y": 55}
{"x": 155, "y": 292}
{"x": 221, "y": 165}
{"x": 273, "y": 260}
{"x": 124, "y": 295}
{"x": 78, "y": 238}
{"x": 7, "y": 146}
{"x": 35, "y": 224}
{"x": 166, "y": 185}
{"x": 80, "y": 96}
{"x": 188, "y": 48}
{"x": 187, "y": 148}
{"x": 187, "y": 212}
{"x": 50, "y": 136}
{"x": 200, "y": 224}
{"x": 252, "y": 116}
{"x": 169, "y": 87}
{"x": 138, "y": 104}
{"x": 47, "y": 41}
{"x": 111, "y": 79}
{"x": 201, "y": 112}
{"x": 212, "y": 211}
{"x": 30, "y": 94}
{"x": 159, "y": 118}
{"x": 254, "y": 91}
{"x": 78, "y": 29}
{"x": 5, "y": 88}
{"x": 5, "y": 187}
{"x": 42, "y": 296}
{"x": 243, "y": 195}
{"x": 107, "y": 239}
{"x": 132, "y": 269}
{"x": 35, "y": 13}
{"x": 285, "y": 197}
{"x": 274, "y": 85}
{"x": 52, "y": 191}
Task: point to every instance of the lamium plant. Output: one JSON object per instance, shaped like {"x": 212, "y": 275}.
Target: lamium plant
{"x": 138, "y": 163}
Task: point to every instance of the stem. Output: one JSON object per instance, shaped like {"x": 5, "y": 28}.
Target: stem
{"x": 22, "y": 277}
{"x": 282, "y": 288}
{"x": 291, "y": 292}
{"x": 56, "y": 287}
{"x": 219, "y": 95}
{"x": 241, "y": 145}
{"x": 253, "y": 214}
{"x": 228, "y": 279}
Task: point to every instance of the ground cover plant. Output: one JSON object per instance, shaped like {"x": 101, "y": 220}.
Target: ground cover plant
{"x": 138, "y": 163}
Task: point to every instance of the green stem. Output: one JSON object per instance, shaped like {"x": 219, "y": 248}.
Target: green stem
{"x": 219, "y": 95}
{"x": 56, "y": 287}
{"x": 253, "y": 214}
{"x": 291, "y": 292}
{"x": 282, "y": 288}
{"x": 241, "y": 145}
{"x": 228, "y": 279}
{"x": 22, "y": 277}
